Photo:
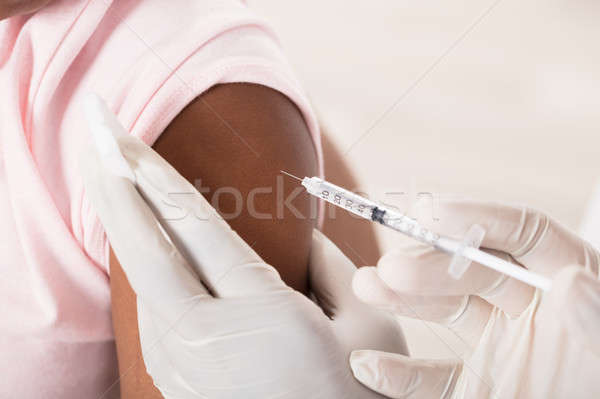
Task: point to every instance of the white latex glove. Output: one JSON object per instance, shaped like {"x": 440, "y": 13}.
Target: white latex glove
{"x": 524, "y": 343}
{"x": 215, "y": 320}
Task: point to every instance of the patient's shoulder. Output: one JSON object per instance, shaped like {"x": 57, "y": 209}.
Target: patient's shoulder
{"x": 240, "y": 136}
{"x": 238, "y": 129}
{"x": 234, "y": 138}
{"x": 235, "y": 126}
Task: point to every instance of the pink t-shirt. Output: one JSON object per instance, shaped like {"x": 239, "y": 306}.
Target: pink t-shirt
{"x": 148, "y": 59}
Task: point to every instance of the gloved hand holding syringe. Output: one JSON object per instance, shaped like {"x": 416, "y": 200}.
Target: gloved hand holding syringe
{"x": 232, "y": 328}
{"x": 464, "y": 252}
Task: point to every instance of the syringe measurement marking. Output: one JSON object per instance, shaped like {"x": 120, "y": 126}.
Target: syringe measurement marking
{"x": 337, "y": 199}
{"x": 396, "y": 220}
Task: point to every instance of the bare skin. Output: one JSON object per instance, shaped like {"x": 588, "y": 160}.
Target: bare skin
{"x": 10, "y": 8}
{"x": 200, "y": 145}
{"x": 354, "y": 236}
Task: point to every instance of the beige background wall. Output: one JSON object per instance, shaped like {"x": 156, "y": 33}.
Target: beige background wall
{"x": 493, "y": 99}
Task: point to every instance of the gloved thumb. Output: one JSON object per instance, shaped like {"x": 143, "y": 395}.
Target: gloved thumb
{"x": 330, "y": 273}
{"x": 398, "y": 376}
{"x": 356, "y": 324}
{"x": 575, "y": 295}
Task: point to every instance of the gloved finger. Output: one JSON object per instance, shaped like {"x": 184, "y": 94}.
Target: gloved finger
{"x": 422, "y": 270}
{"x": 154, "y": 268}
{"x": 575, "y": 295}
{"x": 356, "y": 324}
{"x": 165, "y": 376}
{"x": 330, "y": 273}
{"x": 531, "y": 237}
{"x": 466, "y": 315}
{"x": 224, "y": 262}
{"x": 401, "y": 377}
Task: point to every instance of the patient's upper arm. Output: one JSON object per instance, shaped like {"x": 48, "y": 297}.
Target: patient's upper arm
{"x": 234, "y": 138}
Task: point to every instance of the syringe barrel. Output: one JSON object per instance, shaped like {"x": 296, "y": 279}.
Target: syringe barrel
{"x": 398, "y": 221}
{"x": 409, "y": 226}
{"x": 368, "y": 209}
{"x": 339, "y": 196}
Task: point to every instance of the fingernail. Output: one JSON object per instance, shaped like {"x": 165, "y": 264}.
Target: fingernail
{"x": 110, "y": 153}
{"x": 97, "y": 112}
{"x": 104, "y": 126}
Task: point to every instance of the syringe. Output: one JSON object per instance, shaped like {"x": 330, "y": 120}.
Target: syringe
{"x": 464, "y": 251}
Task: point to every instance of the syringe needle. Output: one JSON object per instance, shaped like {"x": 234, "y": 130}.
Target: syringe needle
{"x": 291, "y": 175}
